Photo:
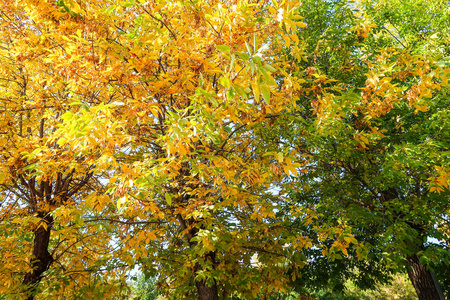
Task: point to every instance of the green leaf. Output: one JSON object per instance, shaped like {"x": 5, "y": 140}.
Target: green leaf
{"x": 269, "y": 68}
{"x": 225, "y": 81}
{"x": 127, "y": 4}
{"x": 252, "y": 66}
{"x": 223, "y": 48}
{"x": 248, "y": 47}
{"x": 243, "y": 55}
{"x": 257, "y": 59}
{"x": 265, "y": 93}
{"x": 168, "y": 198}
{"x": 230, "y": 94}
{"x": 110, "y": 9}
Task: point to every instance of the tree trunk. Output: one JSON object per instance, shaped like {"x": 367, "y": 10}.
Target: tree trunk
{"x": 204, "y": 291}
{"x": 41, "y": 258}
{"x": 207, "y": 292}
{"x": 422, "y": 280}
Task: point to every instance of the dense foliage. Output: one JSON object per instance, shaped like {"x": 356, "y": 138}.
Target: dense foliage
{"x": 377, "y": 136}
{"x": 228, "y": 149}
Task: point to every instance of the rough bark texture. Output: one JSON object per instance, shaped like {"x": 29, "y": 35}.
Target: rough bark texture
{"x": 427, "y": 288}
{"x": 54, "y": 194}
{"x": 206, "y": 292}
{"x": 422, "y": 280}
{"x": 41, "y": 259}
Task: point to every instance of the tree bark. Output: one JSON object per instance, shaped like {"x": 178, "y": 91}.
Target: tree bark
{"x": 206, "y": 292}
{"x": 41, "y": 258}
{"x": 422, "y": 280}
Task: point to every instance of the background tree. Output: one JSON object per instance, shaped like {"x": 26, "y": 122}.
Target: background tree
{"x": 377, "y": 146}
{"x": 145, "y": 289}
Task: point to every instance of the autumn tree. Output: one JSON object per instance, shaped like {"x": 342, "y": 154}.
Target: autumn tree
{"x": 47, "y": 248}
{"x": 165, "y": 101}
